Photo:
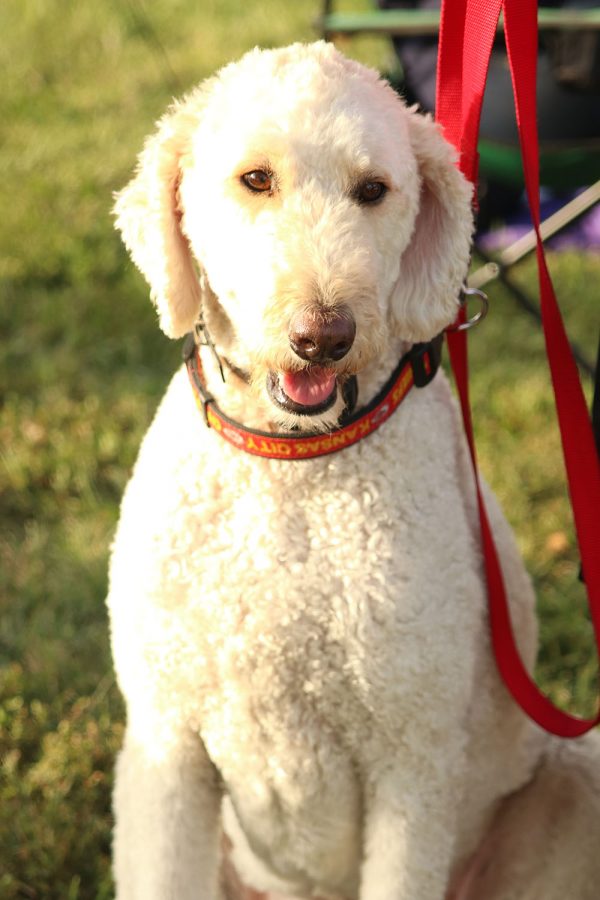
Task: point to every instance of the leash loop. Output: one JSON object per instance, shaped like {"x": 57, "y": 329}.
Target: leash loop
{"x": 467, "y": 32}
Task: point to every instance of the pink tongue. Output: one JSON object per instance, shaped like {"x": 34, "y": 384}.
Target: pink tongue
{"x": 308, "y": 387}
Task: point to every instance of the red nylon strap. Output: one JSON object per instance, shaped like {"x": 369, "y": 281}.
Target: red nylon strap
{"x": 466, "y": 36}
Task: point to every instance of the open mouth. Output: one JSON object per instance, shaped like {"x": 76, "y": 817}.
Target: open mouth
{"x": 309, "y": 392}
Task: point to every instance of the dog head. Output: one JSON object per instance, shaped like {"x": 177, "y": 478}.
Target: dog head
{"x": 311, "y": 213}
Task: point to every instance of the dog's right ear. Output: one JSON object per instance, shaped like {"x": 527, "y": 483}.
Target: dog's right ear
{"x": 148, "y": 217}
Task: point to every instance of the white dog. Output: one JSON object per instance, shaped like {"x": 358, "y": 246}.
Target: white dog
{"x": 303, "y": 643}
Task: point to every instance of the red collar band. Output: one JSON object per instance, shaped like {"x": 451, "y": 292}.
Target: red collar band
{"x": 416, "y": 369}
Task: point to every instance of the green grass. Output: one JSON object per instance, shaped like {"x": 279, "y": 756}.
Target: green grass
{"x": 83, "y": 364}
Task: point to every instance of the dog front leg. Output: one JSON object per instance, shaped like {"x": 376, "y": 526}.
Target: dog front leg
{"x": 409, "y": 836}
{"x": 167, "y": 809}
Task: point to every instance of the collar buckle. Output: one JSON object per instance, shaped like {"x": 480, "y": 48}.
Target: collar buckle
{"x": 425, "y": 360}
{"x": 189, "y": 352}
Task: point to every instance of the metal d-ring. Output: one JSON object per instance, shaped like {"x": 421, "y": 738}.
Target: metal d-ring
{"x": 465, "y": 294}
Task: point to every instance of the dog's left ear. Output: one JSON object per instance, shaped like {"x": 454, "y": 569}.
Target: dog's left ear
{"x": 434, "y": 264}
{"x": 148, "y": 217}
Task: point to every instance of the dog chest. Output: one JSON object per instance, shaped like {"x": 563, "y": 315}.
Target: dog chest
{"x": 321, "y": 576}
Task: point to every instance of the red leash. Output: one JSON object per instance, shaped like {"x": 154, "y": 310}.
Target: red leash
{"x": 467, "y": 33}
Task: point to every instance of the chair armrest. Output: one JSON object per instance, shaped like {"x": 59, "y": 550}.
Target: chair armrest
{"x": 406, "y": 22}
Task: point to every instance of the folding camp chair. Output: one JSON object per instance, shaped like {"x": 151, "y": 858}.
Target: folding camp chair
{"x": 564, "y": 165}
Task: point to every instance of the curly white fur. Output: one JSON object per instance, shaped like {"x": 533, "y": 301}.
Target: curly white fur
{"x": 303, "y": 646}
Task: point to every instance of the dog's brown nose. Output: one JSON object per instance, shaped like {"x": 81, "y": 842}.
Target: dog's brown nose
{"x": 321, "y": 336}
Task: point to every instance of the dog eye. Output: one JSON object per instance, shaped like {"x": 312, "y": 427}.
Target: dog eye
{"x": 370, "y": 191}
{"x": 258, "y": 181}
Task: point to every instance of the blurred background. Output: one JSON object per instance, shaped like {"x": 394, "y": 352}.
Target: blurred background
{"x": 83, "y": 365}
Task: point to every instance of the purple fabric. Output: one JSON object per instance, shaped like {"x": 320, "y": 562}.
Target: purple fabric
{"x": 582, "y": 235}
